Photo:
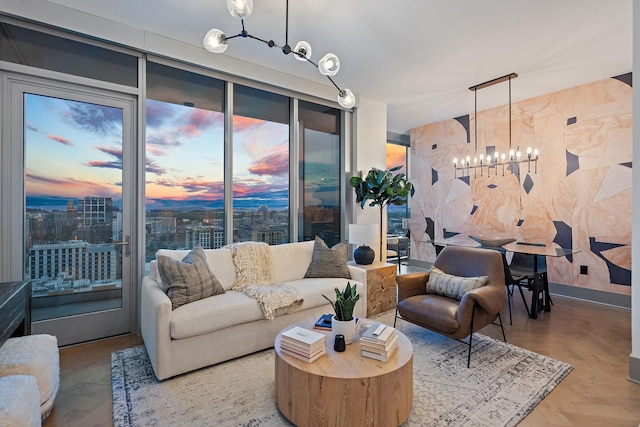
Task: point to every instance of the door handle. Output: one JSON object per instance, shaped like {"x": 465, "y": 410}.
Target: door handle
{"x": 127, "y": 251}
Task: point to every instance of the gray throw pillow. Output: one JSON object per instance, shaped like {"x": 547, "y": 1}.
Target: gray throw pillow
{"x": 328, "y": 262}
{"x": 441, "y": 283}
{"x": 188, "y": 280}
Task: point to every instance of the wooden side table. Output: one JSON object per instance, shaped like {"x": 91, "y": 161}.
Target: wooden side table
{"x": 381, "y": 287}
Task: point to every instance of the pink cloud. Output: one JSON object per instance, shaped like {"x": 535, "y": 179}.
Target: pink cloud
{"x": 61, "y": 140}
{"x": 243, "y": 123}
{"x": 276, "y": 164}
{"x": 199, "y": 120}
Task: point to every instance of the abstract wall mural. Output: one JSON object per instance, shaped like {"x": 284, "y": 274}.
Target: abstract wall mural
{"x": 578, "y": 195}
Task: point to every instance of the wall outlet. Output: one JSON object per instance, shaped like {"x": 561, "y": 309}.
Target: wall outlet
{"x": 584, "y": 269}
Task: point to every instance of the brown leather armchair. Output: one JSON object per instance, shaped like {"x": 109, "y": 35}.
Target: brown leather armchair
{"x": 447, "y": 316}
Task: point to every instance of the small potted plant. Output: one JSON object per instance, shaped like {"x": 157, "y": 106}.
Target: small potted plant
{"x": 343, "y": 321}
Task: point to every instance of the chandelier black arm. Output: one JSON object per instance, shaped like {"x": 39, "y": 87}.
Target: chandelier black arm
{"x": 316, "y": 65}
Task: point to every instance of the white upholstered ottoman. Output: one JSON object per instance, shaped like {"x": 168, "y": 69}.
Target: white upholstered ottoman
{"x": 19, "y": 401}
{"x": 35, "y": 355}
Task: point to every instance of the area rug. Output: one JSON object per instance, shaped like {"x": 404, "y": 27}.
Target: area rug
{"x": 502, "y": 386}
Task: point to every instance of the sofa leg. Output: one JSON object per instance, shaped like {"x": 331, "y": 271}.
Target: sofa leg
{"x": 395, "y": 318}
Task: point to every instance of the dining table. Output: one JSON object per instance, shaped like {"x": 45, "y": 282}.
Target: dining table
{"x": 540, "y": 298}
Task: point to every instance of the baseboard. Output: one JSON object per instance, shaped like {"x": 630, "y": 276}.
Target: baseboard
{"x": 592, "y": 295}
{"x": 634, "y": 369}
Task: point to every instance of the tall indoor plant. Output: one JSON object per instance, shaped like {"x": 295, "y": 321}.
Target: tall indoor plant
{"x": 382, "y": 188}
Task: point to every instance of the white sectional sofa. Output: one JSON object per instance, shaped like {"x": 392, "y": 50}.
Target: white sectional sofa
{"x": 223, "y": 327}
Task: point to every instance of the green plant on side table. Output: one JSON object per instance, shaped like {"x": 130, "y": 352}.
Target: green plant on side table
{"x": 343, "y": 321}
{"x": 382, "y": 188}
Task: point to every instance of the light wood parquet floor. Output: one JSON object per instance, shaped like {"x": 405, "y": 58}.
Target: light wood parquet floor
{"x": 595, "y": 339}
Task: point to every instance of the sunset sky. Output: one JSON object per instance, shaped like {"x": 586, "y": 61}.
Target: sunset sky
{"x": 74, "y": 149}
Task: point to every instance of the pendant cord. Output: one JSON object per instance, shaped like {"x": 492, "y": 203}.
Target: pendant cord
{"x": 509, "y": 112}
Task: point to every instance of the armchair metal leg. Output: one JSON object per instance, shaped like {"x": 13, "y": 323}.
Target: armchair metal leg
{"x": 395, "y": 318}
{"x": 502, "y": 327}
{"x": 473, "y": 314}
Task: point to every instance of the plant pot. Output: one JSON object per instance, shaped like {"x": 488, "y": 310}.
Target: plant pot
{"x": 346, "y": 328}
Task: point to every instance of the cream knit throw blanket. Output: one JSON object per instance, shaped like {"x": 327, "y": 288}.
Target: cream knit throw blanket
{"x": 253, "y": 264}
{"x": 274, "y": 300}
{"x": 255, "y": 278}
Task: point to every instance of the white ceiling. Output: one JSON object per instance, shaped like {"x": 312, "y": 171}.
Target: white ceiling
{"x": 417, "y": 56}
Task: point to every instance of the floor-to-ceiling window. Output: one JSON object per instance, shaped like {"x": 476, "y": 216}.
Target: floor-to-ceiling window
{"x": 184, "y": 163}
{"x": 397, "y": 156}
{"x": 320, "y": 166}
{"x": 260, "y": 166}
{"x": 197, "y": 174}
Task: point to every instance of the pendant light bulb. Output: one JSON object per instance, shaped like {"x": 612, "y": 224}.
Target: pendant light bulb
{"x": 240, "y": 8}
{"x": 303, "y": 51}
{"x": 215, "y": 41}
{"x": 346, "y": 98}
{"x": 329, "y": 65}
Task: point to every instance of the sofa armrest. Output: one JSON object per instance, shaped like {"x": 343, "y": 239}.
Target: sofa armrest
{"x": 155, "y": 323}
{"x": 412, "y": 284}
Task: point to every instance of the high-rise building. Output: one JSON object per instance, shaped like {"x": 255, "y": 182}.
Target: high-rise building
{"x": 95, "y": 210}
{"x": 207, "y": 236}
{"x": 74, "y": 260}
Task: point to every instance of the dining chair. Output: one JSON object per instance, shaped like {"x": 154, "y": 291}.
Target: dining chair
{"x": 521, "y": 273}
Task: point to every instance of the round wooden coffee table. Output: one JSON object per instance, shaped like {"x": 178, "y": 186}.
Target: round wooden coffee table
{"x": 345, "y": 389}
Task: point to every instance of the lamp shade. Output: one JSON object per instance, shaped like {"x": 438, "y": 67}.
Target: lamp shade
{"x": 363, "y": 234}
{"x": 346, "y": 98}
{"x": 329, "y": 65}
{"x": 304, "y": 49}
{"x": 215, "y": 41}
{"x": 240, "y": 8}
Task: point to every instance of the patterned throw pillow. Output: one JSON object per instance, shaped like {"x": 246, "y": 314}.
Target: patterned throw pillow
{"x": 188, "y": 280}
{"x": 441, "y": 283}
{"x": 327, "y": 262}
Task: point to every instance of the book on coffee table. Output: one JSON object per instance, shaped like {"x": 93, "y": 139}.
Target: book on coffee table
{"x": 324, "y": 322}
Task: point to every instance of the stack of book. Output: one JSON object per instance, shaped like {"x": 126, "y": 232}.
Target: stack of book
{"x": 303, "y": 343}
{"x": 379, "y": 342}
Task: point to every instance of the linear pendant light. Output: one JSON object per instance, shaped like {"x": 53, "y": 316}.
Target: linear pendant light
{"x": 480, "y": 162}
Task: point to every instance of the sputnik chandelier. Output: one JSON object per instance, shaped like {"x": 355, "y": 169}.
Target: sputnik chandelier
{"x": 217, "y": 42}
{"x": 492, "y": 161}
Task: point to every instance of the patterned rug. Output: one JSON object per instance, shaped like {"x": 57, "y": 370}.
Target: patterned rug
{"x": 502, "y": 386}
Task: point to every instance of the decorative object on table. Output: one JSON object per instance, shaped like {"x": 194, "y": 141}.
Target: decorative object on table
{"x": 492, "y": 243}
{"x": 303, "y": 343}
{"x": 379, "y": 342}
{"x": 217, "y": 42}
{"x": 339, "y": 345}
{"x": 323, "y": 323}
{"x": 363, "y": 235}
{"x": 441, "y": 381}
{"x": 382, "y": 188}
{"x": 343, "y": 322}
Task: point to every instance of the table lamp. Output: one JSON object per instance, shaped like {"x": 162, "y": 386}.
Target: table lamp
{"x": 363, "y": 235}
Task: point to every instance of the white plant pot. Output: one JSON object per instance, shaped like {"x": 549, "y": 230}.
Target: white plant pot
{"x": 348, "y": 329}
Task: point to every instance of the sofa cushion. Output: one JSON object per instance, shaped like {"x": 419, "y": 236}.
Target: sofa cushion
{"x": 212, "y": 314}
{"x": 441, "y": 283}
{"x": 219, "y": 261}
{"x": 188, "y": 280}
{"x": 328, "y": 262}
{"x": 291, "y": 260}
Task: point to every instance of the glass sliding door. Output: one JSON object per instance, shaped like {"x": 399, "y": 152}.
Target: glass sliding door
{"x": 76, "y": 169}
